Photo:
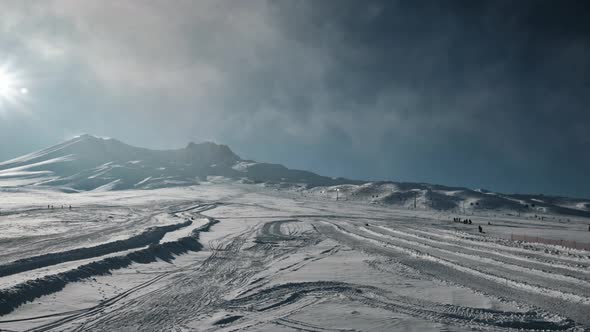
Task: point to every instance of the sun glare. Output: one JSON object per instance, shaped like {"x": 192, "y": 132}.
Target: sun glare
{"x": 12, "y": 89}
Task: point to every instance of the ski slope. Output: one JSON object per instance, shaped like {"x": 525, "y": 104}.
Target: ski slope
{"x": 219, "y": 257}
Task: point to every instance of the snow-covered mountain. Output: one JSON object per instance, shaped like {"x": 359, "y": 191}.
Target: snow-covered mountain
{"x": 91, "y": 163}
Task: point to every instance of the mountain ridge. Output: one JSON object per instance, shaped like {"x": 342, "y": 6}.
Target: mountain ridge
{"x": 90, "y": 163}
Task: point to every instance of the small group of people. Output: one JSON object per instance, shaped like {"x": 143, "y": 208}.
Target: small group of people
{"x": 465, "y": 221}
{"x": 51, "y": 207}
{"x": 469, "y": 222}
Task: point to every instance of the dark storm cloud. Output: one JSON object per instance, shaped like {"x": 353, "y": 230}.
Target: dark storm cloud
{"x": 493, "y": 93}
{"x": 477, "y": 93}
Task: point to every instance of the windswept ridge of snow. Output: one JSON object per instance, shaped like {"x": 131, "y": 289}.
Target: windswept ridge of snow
{"x": 10, "y": 173}
{"x": 107, "y": 187}
{"x": 242, "y": 166}
{"x": 42, "y": 153}
{"x": 22, "y": 169}
{"x": 100, "y": 171}
{"x": 23, "y": 175}
{"x": 143, "y": 181}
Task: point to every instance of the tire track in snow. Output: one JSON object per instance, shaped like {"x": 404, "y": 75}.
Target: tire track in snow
{"x": 574, "y": 298}
{"x": 199, "y": 290}
{"x": 15, "y": 296}
{"x": 482, "y": 256}
{"x": 274, "y": 304}
{"x": 92, "y": 310}
{"x": 150, "y": 236}
{"x": 553, "y": 254}
{"x": 498, "y": 251}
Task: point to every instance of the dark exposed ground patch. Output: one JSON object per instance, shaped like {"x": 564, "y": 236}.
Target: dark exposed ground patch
{"x": 227, "y": 320}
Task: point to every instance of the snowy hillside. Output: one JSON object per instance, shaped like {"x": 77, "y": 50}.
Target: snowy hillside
{"x": 91, "y": 163}
{"x": 423, "y": 196}
{"x": 88, "y": 163}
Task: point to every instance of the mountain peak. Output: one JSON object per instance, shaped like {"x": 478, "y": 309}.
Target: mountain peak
{"x": 205, "y": 143}
{"x": 192, "y": 145}
{"x": 213, "y": 151}
{"x": 90, "y": 137}
{"x": 88, "y": 162}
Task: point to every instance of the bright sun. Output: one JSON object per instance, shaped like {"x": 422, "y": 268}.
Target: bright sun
{"x": 11, "y": 86}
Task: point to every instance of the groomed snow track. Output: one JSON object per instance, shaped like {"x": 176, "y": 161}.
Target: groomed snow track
{"x": 553, "y": 281}
{"x": 15, "y": 296}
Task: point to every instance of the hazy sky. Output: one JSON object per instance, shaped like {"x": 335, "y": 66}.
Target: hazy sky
{"x": 492, "y": 94}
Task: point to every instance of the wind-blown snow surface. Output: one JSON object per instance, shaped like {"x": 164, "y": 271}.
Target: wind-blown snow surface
{"x": 250, "y": 258}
